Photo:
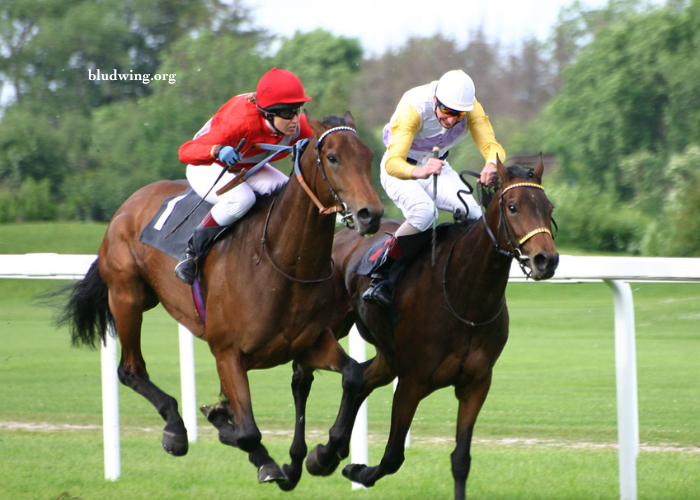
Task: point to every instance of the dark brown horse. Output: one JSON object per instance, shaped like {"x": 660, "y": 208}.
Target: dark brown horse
{"x": 267, "y": 286}
{"x": 449, "y": 324}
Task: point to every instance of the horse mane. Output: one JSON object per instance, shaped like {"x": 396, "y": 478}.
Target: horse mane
{"x": 487, "y": 194}
{"x": 520, "y": 172}
{"x": 334, "y": 121}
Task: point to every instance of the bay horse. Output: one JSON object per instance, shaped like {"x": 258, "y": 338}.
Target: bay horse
{"x": 267, "y": 287}
{"x": 449, "y": 323}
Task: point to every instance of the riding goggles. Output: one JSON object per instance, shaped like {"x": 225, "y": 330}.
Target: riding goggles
{"x": 288, "y": 114}
{"x": 450, "y": 112}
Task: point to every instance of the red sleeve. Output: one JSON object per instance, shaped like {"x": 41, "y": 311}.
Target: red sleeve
{"x": 221, "y": 130}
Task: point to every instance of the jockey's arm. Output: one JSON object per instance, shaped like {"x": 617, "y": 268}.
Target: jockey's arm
{"x": 202, "y": 149}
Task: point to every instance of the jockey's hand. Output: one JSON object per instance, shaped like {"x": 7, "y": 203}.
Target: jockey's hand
{"x": 228, "y": 156}
{"x": 433, "y": 166}
{"x": 489, "y": 175}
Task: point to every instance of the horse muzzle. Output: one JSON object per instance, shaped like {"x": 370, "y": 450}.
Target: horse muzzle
{"x": 368, "y": 219}
{"x": 543, "y": 265}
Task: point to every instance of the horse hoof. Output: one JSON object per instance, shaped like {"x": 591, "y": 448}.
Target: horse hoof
{"x": 292, "y": 478}
{"x": 353, "y": 473}
{"x": 271, "y": 472}
{"x": 175, "y": 444}
{"x": 215, "y": 414}
{"x": 316, "y": 468}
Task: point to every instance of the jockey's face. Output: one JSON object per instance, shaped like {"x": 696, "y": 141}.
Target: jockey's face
{"x": 287, "y": 127}
{"x": 447, "y": 120}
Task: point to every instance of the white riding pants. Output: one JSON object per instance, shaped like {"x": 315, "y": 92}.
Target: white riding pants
{"x": 235, "y": 203}
{"x": 414, "y": 197}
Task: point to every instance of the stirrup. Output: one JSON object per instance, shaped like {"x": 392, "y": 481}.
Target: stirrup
{"x": 380, "y": 293}
{"x": 186, "y": 269}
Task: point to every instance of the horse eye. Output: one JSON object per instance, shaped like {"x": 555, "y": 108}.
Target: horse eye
{"x": 512, "y": 208}
{"x": 332, "y": 158}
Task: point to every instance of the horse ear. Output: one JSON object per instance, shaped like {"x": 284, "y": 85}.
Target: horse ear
{"x": 316, "y": 125}
{"x": 539, "y": 168}
{"x": 349, "y": 119}
{"x": 503, "y": 174}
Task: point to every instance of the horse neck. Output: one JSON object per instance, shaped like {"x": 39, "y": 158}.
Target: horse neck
{"x": 299, "y": 235}
{"x": 478, "y": 245}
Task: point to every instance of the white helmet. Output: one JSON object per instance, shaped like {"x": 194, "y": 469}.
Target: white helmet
{"x": 456, "y": 91}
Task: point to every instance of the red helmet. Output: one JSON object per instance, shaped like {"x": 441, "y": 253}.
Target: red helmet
{"x": 279, "y": 86}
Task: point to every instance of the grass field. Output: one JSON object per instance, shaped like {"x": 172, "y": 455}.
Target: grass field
{"x": 547, "y": 431}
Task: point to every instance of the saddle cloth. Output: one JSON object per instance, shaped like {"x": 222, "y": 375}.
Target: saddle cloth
{"x": 373, "y": 256}
{"x": 170, "y": 214}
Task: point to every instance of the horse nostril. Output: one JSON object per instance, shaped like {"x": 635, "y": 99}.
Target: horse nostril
{"x": 364, "y": 216}
{"x": 541, "y": 261}
{"x": 545, "y": 262}
{"x": 367, "y": 216}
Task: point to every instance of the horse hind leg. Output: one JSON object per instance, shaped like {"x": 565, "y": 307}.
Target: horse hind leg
{"x": 127, "y": 310}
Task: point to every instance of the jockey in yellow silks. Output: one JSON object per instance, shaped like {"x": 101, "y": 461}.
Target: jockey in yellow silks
{"x": 437, "y": 115}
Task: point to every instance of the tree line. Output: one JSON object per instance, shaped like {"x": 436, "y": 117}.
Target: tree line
{"x": 612, "y": 93}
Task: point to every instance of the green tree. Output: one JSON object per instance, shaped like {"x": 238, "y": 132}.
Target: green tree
{"x": 327, "y": 65}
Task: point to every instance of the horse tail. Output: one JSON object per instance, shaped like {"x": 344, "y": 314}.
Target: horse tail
{"x": 87, "y": 311}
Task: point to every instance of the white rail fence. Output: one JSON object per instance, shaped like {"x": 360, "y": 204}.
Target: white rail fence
{"x": 617, "y": 272}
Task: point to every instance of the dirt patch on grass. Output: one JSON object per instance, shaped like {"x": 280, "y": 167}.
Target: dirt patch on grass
{"x": 316, "y": 435}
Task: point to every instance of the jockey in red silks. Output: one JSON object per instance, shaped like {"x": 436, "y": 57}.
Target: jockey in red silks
{"x": 270, "y": 115}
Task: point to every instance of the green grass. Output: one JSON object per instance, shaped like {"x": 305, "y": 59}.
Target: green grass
{"x": 554, "y": 386}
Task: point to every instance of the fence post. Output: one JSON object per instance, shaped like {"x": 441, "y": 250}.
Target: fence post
{"x": 626, "y": 377}
{"x": 187, "y": 383}
{"x": 358, "y": 440}
{"x": 110, "y": 406}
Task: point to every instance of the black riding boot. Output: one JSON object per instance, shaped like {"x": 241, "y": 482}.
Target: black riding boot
{"x": 382, "y": 286}
{"x": 380, "y": 290}
{"x": 198, "y": 247}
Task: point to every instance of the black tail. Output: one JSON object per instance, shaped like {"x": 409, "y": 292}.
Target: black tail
{"x": 87, "y": 310}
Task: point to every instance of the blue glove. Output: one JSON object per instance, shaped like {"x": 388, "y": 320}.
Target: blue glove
{"x": 228, "y": 156}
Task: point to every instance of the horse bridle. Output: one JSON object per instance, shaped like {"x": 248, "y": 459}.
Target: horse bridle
{"x": 340, "y": 207}
{"x": 515, "y": 243}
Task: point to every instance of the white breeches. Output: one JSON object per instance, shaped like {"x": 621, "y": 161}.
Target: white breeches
{"x": 415, "y": 197}
{"x": 234, "y": 204}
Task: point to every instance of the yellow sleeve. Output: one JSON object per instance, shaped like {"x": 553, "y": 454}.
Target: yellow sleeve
{"x": 482, "y": 132}
{"x": 404, "y": 125}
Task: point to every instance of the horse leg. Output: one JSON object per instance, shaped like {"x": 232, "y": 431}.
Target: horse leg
{"x": 243, "y": 433}
{"x": 324, "y": 459}
{"x": 302, "y": 379}
{"x": 127, "y": 306}
{"x": 471, "y": 398}
{"x": 406, "y": 398}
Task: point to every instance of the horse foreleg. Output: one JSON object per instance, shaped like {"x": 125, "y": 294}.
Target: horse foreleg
{"x": 302, "y": 379}
{"x": 406, "y": 398}
{"x": 471, "y": 399}
{"x": 375, "y": 373}
{"x": 132, "y": 372}
{"x": 243, "y": 433}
